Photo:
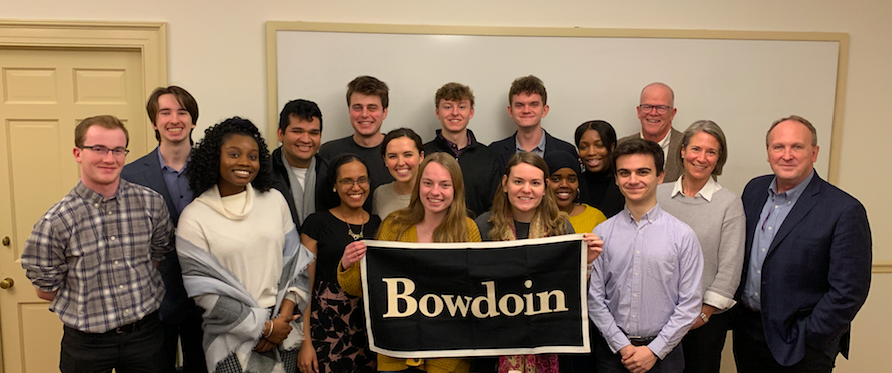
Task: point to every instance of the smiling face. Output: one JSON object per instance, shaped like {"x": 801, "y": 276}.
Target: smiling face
{"x": 436, "y": 190}
{"x": 173, "y": 122}
{"x": 565, "y": 184}
{"x": 401, "y": 158}
{"x": 353, "y": 184}
{"x": 300, "y": 140}
{"x": 525, "y": 186}
{"x": 592, "y": 152}
{"x": 527, "y": 110}
{"x": 99, "y": 170}
{"x": 791, "y": 154}
{"x": 655, "y": 125}
{"x": 700, "y": 156}
{"x": 239, "y": 163}
{"x": 636, "y": 176}
{"x": 454, "y": 115}
{"x": 366, "y": 114}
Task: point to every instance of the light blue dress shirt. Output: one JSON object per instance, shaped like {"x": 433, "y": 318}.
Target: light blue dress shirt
{"x": 774, "y": 212}
{"x": 177, "y": 184}
{"x": 538, "y": 150}
{"x": 646, "y": 283}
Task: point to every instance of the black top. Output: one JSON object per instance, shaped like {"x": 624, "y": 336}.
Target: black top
{"x": 599, "y": 190}
{"x": 480, "y": 170}
{"x": 331, "y": 237}
{"x": 378, "y": 173}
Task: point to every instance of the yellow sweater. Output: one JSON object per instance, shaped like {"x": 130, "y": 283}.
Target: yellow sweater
{"x": 350, "y": 281}
{"x": 587, "y": 220}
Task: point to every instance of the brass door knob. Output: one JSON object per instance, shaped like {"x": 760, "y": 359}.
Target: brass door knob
{"x": 5, "y": 241}
{"x": 7, "y": 283}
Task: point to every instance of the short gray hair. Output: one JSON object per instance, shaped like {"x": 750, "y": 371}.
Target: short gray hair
{"x": 795, "y": 118}
{"x": 709, "y": 127}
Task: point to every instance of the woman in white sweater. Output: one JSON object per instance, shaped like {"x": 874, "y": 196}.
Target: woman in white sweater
{"x": 716, "y": 215}
{"x": 241, "y": 256}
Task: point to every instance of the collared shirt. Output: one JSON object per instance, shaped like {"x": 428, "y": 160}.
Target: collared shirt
{"x": 646, "y": 283}
{"x": 538, "y": 150}
{"x": 706, "y": 192}
{"x": 98, "y": 254}
{"x": 774, "y": 212}
{"x": 664, "y": 144}
{"x": 456, "y": 152}
{"x": 177, "y": 184}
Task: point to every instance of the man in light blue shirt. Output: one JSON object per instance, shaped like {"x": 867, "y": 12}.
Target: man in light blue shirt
{"x": 644, "y": 293}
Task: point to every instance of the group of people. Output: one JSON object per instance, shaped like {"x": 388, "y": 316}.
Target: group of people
{"x": 264, "y": 276}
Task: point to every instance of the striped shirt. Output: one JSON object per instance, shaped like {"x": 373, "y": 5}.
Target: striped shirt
{"x": 99, "y": 254}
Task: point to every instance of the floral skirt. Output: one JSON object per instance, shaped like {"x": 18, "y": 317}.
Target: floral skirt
{"x": 546, "y": 363}
{"x": 337, "y": 329}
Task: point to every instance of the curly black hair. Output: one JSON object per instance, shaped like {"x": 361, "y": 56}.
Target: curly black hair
{"x": 204, "y": 168}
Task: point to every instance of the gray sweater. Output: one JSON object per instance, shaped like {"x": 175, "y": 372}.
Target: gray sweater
{"x": 720, "y": 226}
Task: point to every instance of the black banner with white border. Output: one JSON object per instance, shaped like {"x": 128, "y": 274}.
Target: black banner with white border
{"x": 476, "y": 299}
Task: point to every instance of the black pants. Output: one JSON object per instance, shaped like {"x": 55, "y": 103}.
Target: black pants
{"x": 609, "y": 362}
{"x": 752, "y": 355}
{"x": 703, "y": 346}
{"x": 136, "y": 351}
{"x": 188, "y": 332}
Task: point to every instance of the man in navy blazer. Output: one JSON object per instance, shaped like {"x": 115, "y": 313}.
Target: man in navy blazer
{"x": 806, "y": 270}
{"x": 527, "y": 105}
{"x": 173, "y": 112}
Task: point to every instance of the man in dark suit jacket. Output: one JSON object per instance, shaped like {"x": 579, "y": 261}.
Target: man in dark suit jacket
{"x": 527, "y": 105}
{"x": 806, "y": 270}
{"x": 297, "y": 165}
{"x": 656, "y": 109}
{"x": 173, "y": 112}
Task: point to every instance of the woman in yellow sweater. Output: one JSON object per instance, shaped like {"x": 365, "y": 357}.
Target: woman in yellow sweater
{"x": 436, "y": 213}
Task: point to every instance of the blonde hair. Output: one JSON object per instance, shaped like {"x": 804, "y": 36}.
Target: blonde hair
{"x": 454, "y": 226}
{"x": 548, "y": 215}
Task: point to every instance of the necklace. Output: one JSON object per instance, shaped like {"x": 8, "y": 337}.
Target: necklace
{"x": 356, "y": 236}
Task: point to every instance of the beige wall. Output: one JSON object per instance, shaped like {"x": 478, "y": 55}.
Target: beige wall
{"x": 216, "y": 51}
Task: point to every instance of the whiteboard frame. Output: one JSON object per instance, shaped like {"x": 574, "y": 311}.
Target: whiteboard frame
{"x": 273, "y": 27}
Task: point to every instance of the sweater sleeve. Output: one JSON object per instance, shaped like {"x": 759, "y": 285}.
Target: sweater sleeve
{"x": 350, "y": 279}
{"x": 720, "y": 293}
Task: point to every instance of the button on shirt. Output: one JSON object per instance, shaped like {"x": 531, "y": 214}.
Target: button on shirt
{"x": 774, "y": 212}
{"x": 177, "y": 184}
{"x": 99, "y": 254}
{"x": 538, "y": 150}
{"x": 646, "y": 283}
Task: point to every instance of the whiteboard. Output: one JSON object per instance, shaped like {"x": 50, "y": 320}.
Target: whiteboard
{"x": 743, "y": 85}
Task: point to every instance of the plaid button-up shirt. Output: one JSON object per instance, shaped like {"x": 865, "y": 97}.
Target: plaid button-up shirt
{"x": 99, "y": 254}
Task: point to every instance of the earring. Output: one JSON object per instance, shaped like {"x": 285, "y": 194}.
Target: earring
{"x": 334, "y": 190}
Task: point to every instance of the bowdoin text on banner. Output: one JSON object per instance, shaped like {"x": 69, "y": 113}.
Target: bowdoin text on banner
{"x": 476, "y": 299}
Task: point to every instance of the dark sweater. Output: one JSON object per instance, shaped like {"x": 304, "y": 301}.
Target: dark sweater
{"x": 599, "y": 190}
{"x": 479, "y": 168}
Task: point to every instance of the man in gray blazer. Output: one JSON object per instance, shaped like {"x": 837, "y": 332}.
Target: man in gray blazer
{"x": 173, "y": 112}
{"x": 656, "y": 109}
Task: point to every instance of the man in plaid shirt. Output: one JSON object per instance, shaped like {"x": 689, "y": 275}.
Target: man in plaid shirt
{"x": 94, "y": 255}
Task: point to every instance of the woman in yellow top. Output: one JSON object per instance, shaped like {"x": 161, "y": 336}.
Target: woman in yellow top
{"x": 436, "y": 213}
{"x": 564, "y": 181}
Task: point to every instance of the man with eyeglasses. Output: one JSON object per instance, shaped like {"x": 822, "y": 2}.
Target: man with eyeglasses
{"x": 173, "y": 113}
{"x": 94, "y": 255}
{"x": 297, "y": 164}
{"x": 656, "y": 109}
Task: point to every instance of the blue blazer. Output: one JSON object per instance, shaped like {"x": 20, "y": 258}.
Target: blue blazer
{"x": 506, "y": 148}
{"x": 816, "y": 274}
{"x": 146, "y": 171}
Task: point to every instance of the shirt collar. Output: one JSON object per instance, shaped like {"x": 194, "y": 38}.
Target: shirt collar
{"x": 91, "y": 196}
{"x": 794, "y": 193}
{"x": 706, "y": 192}
{"x": 166, "y": 167}
{"x": 664, "y": 143}
{"x": 648, "y": 217}
{"x": 540, "y": 147}
{"x": 452, "y": 145}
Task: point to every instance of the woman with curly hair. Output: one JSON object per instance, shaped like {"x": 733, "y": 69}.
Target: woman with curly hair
{"x": 337, "y": 322}
{"x": 241, "y": 257}
{"x": 436, "y": 213}
{"x": 526, "y": 208}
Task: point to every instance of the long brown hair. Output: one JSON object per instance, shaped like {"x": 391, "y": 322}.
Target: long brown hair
{"x": 547, "y": 215}
{"x": 454, "y": 227}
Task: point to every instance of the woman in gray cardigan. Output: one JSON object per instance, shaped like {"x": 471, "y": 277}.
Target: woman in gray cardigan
{"x": 716, "y": 215}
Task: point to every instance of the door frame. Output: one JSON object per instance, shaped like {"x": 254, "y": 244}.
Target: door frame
{"x": 149, "y": 38}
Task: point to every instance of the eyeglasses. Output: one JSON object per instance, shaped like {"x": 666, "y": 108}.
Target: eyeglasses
{"x": 661, "y": 109}
{"x": 349, "y": 183}
{"x": 104, "y": 150}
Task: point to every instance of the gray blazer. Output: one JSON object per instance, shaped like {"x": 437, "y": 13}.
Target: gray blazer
{"x": 674, "y": 168}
